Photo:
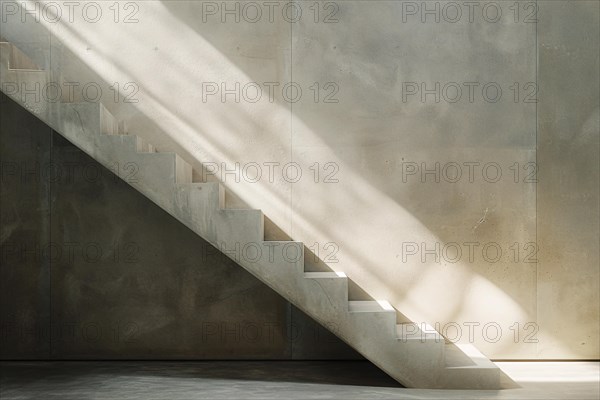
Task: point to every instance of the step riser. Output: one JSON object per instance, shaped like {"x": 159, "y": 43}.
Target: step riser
{"x": 482, "y": 380}
{"x": 108, "y": 124}
{"x": 237, "y": 228}
{"x": 205, "y": 197}
{"x": 11, "y": 57}
{"x": 335, "y": 290}
{"x": 5, "y": 55}
{"x": 183, "y": 170}
{"x": 196, "y": 205}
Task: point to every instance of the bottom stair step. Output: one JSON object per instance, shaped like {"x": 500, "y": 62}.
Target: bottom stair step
{"x": 466, "y": 356}
{"x": 467, "y": 368}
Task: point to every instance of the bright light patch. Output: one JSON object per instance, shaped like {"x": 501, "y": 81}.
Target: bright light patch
{"x": 385, "y": 305}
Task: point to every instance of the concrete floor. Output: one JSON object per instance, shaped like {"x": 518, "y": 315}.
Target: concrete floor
{"x": 272, "y": 380}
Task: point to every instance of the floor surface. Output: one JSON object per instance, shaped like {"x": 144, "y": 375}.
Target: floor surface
{"x": 272, "y": 380}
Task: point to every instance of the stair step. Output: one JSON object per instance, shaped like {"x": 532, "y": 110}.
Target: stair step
{"x": 286, "y": 253}
{"x": 182, "y": 170}
{"x": 360, "y": 306}
{"x": 14, "y": 59}
{"x": 331, "y": 287}
{"x": 200, "y": 193}
{"x": 269, "y": 259}
{"x": 464, "y": 356}
{"x": 325, "y": 275}
{"x": 5, "y": 54}
{"x": 375, "y": 321}
{"x": 196, "y": 204}
{"x": 467, "y": 368}
{"x": 127, "y": 142}
{"x": 109, "y": 124}
{"x": 145, "y": 147}
{"x": 112, "y": 127}
{"x": 423, "y": 332}
{"x": 25, "y": 87}
{"x": 238, "y": 228}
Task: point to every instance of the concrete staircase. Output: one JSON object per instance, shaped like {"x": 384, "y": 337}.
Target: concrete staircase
{"x": 416, "y": 356}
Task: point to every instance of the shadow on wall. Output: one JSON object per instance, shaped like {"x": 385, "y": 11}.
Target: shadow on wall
{"x": 124, "y": 280}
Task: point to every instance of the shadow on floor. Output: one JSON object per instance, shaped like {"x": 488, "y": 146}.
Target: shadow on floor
{"x": 355, "y": 373}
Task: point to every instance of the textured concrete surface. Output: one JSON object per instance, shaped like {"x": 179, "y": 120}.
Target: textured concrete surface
{"x": 370, "y": 135}
{"x": 93, "y": 269}
{"x": 273, "y": 380}
{"x": 568, "y": 192}
{"x": 25, "y": 222}
{"x": 376, "y": 132}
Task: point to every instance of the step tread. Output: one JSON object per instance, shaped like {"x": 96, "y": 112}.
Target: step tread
{"x": 141, "y": 145}
{"x": 200, "y": 184}
{"x": 409, "y": 331}
{"x": 325, "y": 275}
{"x": 370, "y": 306}
{"x": 238, "y": 211}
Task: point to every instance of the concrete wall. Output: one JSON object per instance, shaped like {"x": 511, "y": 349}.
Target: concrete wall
{"x": 92, "y": 269}
{"x": 567, "y": 196}
{"x": 477, "y": 213}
